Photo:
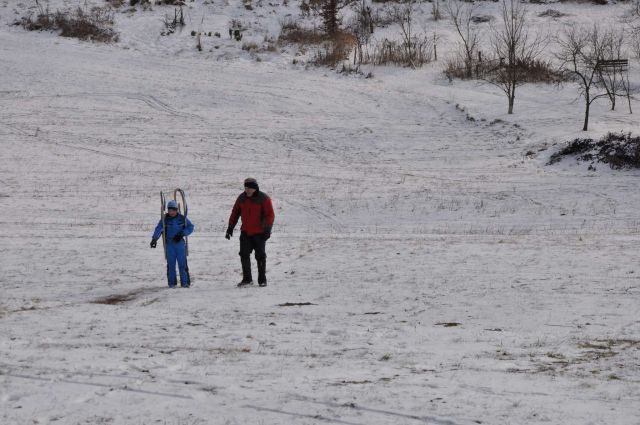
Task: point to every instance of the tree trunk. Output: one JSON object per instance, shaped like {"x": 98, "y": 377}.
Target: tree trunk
{"x": 330, "y": 16}
{"x": 586, "y": 114}
{"x": 435, "y": 48}
{"x": 512, "y": 97}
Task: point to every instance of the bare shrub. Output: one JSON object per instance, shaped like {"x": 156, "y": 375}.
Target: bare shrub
{"x": 457, "y": 68}
{"x": 253, "y": 47}
{"x": 362, "y": 26}
{"x": 250, "y": 46}
{"x": 288, "y": 24}
{"x": 305, "y": 9}
{"x": 85, "y": 24}
{"x": 116, "y": 3}
{"x": 348, "y": 69}
{"x": 381, "y": 16}
{"x": 552, "y": 13}
{"x": 573, "y": 148}
{"x": 145, "y": 4}
{"x": 481, "y": 19}
{"x": 165, "y": 2}
{"x": 363, "y": 22}
{"x": 461, "y": 15}
{"x": 412, "y": 49}
{"x": 172, "y": 24}
{"x": 463, "y": 69}
{"x": 43, "y": 21}
{"x": 94, "y": 25}
{"x": 336, "y": 50}
{"x": 389, "y": 52}
{"x": 415, "y": 49}
{"x": 528, "y": 70}
{"x": 292, "y": 32}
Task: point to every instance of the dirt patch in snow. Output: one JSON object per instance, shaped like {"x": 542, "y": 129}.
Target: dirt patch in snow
{"x": 116, "y": 299}
{"x": 448, "y": 324}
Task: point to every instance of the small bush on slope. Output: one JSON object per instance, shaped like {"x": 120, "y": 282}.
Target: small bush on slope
{"x": 619, "y": 150}
{"x": 93, "y": 24}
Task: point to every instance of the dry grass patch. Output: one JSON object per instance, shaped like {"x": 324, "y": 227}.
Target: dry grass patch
{"x": 292, "y": 33}
{"x": 336, "y": 49}
{"x": 93, "y": 24}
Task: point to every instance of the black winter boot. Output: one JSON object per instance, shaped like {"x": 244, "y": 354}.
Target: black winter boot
{"x": 262, "y": 272}
{"x": 246, "y": 272}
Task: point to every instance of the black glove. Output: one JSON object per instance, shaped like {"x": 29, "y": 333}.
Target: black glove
{"x": 229, "y": 233}
{"x": 154, "y": 243}
{"x": 178, "y": 236}
{"x": 267, "y": 233}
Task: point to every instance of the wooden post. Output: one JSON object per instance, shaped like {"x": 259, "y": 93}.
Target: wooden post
{"x": 435, "y": 47}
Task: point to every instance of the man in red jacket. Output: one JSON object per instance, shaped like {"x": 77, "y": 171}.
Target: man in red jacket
{"x": 256, "y": 211}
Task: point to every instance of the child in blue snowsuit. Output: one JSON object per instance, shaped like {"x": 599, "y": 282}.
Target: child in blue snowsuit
{"x": 176, "y": 227}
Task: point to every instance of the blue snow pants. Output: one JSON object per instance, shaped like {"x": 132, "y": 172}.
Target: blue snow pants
{"x": 176, "y": 252}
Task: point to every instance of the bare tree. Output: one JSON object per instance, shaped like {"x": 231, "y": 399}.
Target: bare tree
{"x": 403, "y": 15}
{"x": 580, "y": 50}
{"x": 361, "y": 27}
{"x": 461, "y": 14}
{"x": 435, "y": 10}
{"x": 612, "y": 78}
{"x": 634, "y": 28}
{"x": 635, "y": 41}
{"x": 635, "y": 9}
{"x": 516, "y": 49}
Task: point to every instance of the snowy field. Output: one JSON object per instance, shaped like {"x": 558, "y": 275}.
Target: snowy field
{"x": 447, "y": 276}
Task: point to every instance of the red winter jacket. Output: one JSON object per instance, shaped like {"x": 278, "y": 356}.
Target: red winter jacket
{"x": 256, "y": 212}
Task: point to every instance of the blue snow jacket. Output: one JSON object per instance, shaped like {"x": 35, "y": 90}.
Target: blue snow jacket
{"x": 173, "y": 226}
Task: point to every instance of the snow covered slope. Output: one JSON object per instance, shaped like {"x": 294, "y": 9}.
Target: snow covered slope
{"x": 445, "y": 274}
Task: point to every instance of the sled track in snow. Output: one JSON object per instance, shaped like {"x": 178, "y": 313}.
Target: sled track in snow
{"x": 110, "y": 387}
{"x": 39, "y": 136}
{"x": 317, "y": 212}
{"x": 156, "y": 104}
{"x": 150, "y": 100}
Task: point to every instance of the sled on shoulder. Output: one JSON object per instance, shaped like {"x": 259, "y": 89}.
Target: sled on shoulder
{"x": 180, "y": 198}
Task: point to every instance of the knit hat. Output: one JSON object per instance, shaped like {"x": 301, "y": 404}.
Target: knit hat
{"x": 172, "y": 205}
{"x": 251, "y": 183}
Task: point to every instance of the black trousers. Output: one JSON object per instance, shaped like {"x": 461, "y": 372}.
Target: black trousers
{"x": 256, "y": 243}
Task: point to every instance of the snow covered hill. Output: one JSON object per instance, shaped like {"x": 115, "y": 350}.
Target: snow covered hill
{"x": 426, "y": 266}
